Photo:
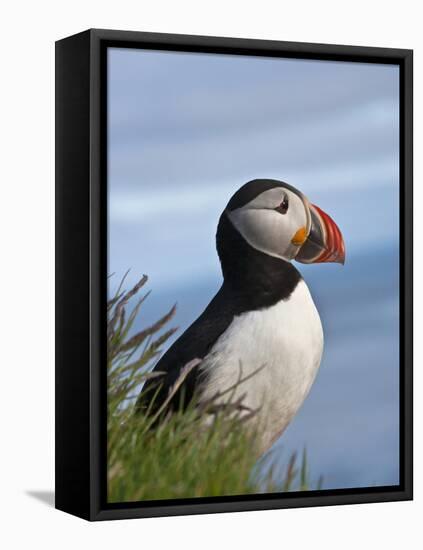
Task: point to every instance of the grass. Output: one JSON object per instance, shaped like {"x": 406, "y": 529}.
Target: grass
{"x": 180, "y": 457}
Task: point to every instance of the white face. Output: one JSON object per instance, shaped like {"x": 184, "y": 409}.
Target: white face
{"x": 276, "y": 222}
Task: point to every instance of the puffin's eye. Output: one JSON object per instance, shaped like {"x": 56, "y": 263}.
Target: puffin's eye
{"x": 283, "y": 207}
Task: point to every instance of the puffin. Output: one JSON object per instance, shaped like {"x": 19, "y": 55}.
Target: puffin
{"x": 260, "y": 339}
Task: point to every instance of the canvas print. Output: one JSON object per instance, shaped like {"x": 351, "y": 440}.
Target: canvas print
{"x": 253, "y": 275}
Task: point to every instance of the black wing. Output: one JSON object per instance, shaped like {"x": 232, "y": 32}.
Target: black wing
{"x": 194, "y": 343}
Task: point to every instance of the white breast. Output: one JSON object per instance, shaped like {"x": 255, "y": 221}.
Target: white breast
{"x": 287, "y": 340}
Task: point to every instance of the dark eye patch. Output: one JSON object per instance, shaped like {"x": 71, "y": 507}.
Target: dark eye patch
{"x": 283, "y": 207}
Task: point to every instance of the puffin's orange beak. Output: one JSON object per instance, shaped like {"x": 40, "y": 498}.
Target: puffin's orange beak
{"x": 324, "y": 242}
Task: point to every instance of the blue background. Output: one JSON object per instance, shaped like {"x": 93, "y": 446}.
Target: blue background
{"x": 187, "y": 130}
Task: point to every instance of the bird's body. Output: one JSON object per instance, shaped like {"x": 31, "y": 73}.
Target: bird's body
{"x": 262, "y": 325}
{"x": 286, "y": 340}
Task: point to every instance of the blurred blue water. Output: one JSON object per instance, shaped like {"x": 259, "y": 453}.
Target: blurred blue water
{"x": 187, "y": 130}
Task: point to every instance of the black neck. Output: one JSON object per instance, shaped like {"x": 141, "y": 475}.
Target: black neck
{"x": 252, "y": 275}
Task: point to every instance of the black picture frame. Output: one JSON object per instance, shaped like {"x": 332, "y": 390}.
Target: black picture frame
{"x": 81, "y": 260}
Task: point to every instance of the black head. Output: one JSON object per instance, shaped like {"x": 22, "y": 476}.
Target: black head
{"x": 268, "y": 222}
